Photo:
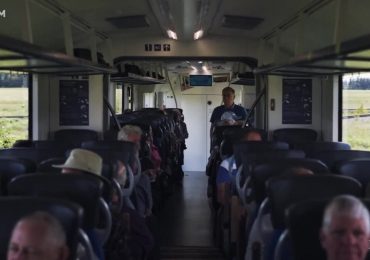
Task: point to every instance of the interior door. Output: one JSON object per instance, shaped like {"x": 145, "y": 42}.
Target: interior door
{"x": 212, "y": 102}
{"x": 197, "y": 111}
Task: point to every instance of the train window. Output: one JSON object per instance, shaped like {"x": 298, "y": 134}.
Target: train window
{"x": 119, "y": 99}
{"x": 130, "y": 97}
{"x": 14, "y": 115}
{"x": 356, "y": 110}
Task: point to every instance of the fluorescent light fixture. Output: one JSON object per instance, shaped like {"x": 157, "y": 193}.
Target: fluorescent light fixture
{"x": 172, "y": 34}
{"x": 198, "y": 34}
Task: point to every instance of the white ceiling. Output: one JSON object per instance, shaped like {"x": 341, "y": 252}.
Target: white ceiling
{"x": 187, "y": 16}
{"x": 184, "y": 14}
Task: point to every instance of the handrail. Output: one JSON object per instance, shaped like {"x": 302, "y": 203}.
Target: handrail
{"x": 254, "y": 105}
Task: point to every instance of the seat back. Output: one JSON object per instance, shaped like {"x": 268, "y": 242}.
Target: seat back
{"x": 46, "y": 166}
{"x": 234, "y": 135}
{"x": 357, "y": 169}
{"x": 111, "y": 144}
{"x": 311, "y": 148}
{"x": 53, "y": 144}
{"x": 294, "y": 135}
{"x": 34, "y": 154}
{"x": 306, "y": 218}
{"x": 12, "y": 167}
{"x": 263, "y": 172}
{"x": 82, "y": 189}
{"x": 110, "y": 135}
{"x": 23, "y": 143}
{"x": 217, "y": 135}
{"x": 75, "y": 137}
{"x": 256, "y": 146}
{"x": 15, "y": 165}
{"x": 283, "y": 192}
{"x": 111, "y": 149}
{"x": 14, "y": 208}
{"x": 337, "y": 156}
{"x": 249, "y": 160}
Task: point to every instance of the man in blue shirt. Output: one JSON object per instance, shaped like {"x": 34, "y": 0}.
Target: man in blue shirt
{"x": 227, "y": 170}
{"x": 229, "y": 113}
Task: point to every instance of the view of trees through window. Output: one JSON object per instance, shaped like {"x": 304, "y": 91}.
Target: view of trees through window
{"x": 13, "y": 108}
{"x": 356, "y": 110}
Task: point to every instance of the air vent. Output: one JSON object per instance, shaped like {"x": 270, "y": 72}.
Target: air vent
{"x": 241, "y": 22}
{"x": 221, "y": 77}
{"x": 127, "y": 22}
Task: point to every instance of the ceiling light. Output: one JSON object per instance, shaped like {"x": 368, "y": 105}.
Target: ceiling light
{"x": 200, "y": 62}
{"x": 172, "y": 34}
{"x": 198, "y": 34}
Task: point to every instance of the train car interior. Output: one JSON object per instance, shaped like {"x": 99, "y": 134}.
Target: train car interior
{"x": 131, "y": 88}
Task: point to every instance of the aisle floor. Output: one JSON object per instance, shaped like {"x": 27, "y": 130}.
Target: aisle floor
{"x": 185, "y": 219}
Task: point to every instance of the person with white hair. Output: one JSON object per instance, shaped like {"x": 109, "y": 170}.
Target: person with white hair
{"x": 345, "y": 230}
{"x": 142, "y": 195}
{"x": 130, "y": 133}
{"x": 38, "y": 236}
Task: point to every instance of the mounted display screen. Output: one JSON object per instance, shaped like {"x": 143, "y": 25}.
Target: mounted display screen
{"x": 73, "y": 102}
{"x": 297, "y": 101}
{"x": 200, "y": 80}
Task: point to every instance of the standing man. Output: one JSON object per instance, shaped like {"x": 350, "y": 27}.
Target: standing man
{"x": 228, "y": 113}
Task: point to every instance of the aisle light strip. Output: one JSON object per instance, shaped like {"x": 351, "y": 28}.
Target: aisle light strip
{"x": 198, "y": 34}
{"x": 172, "y": 34}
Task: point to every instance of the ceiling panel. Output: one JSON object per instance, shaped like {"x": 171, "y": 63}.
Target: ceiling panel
{"x": 96, "y": 11}
{"x": 273, "y": 12}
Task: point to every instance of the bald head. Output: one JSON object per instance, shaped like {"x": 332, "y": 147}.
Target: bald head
{"x": 38, "y": 236}
{"x": 252, "y": 135}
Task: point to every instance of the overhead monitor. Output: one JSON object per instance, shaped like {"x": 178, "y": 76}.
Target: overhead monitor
{"x": 200, "y": 80}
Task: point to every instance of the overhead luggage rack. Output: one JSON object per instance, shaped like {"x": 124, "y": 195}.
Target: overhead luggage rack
{"x": 22, "y": 56}
{"x": 246, "y": 79}
{"x": 243, "y": 81}
{"x": 353, "y": 56}
{"x": 132, "y": 78}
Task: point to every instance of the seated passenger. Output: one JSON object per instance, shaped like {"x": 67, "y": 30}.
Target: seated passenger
{"x": 345, "y": 230}
{"x": 85, "y": 161}
{"x": 130, "y": 236}
{"x": 297, "y": 171}
{"x": 227, "y": 168}
{"x": 82, "y": 161}
{"x": 38, "y": 236}
{"x": 142, "y": 195}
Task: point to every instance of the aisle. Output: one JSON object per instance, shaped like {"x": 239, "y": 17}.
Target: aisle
{"x": 185, "y": 219}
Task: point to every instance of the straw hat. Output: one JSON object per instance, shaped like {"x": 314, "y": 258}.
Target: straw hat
{"x": 83, "y": 160}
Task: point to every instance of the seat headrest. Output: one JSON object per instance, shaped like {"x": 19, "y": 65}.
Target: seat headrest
{"x": 286, "y": 191}
{"x": 263, "y": 172}
{"x": 294, "y": 135}
{"x": 83, "y": 189}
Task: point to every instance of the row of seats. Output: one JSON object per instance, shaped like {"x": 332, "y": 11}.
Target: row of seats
{"x": 266, "y": 185}
{"x": 19, "y": 177}
{"x": 75, "y": 199}
{"x": 23, "y": 164}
